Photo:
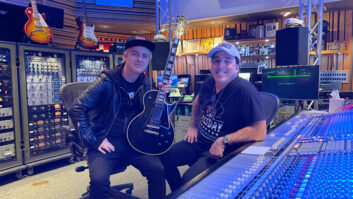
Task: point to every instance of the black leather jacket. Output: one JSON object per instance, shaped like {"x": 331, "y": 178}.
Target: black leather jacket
{"x": 95, "y": 110}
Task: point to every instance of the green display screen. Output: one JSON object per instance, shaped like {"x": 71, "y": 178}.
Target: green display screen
{"x": 292, "y": 82}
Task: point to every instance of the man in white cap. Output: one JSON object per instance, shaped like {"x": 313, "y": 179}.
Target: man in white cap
{"x": 226, "y": 113}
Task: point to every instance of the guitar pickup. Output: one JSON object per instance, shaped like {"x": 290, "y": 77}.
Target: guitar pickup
{"x": 151, "y": 132}
{"x": 152, "y": 126}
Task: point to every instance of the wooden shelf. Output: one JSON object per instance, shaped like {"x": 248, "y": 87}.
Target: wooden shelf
{"x": 258, "y": 56}
{"x": 254, "y": 40}
{"x": 194, "y": 53}
{"x": 241, "y": 41}
{"x": 242, "y": 57}
{"x": 331, "y": 52}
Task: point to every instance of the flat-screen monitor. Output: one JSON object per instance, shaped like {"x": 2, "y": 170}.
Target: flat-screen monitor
{"x": 292, "y": 82}
{"x": 173, "y": 78}
{"x": 245, "y": 76}
{"x": 183, "y": 82}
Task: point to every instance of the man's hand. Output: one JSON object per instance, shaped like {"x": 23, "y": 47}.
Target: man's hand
{"x": 165, "y": 88}
{"x": 191, "y": 136}
{"x": 106, "y": 146}
{"x": 217, "y": 148}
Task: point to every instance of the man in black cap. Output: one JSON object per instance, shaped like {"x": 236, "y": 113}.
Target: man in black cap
{"x": 102, "y": 114}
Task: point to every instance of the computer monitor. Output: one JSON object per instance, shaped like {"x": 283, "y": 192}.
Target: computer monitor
{"x": 245, "y": 76}
{"x": 183, "y": 82}
{"x": 292, "y": 82}
{"x": 173, "y": 78}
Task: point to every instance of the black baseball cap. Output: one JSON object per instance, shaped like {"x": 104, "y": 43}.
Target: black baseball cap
{"x": 139, "y": 40}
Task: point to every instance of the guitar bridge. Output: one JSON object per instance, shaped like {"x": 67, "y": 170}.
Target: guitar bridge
{"x": 151, "y": 132}
{"x": 152, "y": 126}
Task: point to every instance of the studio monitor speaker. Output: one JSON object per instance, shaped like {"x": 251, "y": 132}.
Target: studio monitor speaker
{"x": 292, "y": 46}
{"x": 160, "y": 55}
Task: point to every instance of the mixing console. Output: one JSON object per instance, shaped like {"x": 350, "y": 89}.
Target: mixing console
{"x": 7, "y": 135}
{"x": 309, "y": 156}
{"x": 45, "y": 74}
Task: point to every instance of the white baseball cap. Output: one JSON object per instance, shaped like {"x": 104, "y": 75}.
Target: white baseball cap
{"x": 226, "y": 47}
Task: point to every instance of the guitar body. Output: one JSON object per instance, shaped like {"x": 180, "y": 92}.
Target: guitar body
{"x": 151, "y": 132}
{"x": 146, "y": 137}
{"x": 89, "y": 42}
{"x": 36, "y": 29}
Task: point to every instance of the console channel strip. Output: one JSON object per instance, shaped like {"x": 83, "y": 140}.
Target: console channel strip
{"x": 45, "y": 73}
{"x": 7, "y": 134}
{"x": 89, "y": 67}
{"x": 313, "y": 167}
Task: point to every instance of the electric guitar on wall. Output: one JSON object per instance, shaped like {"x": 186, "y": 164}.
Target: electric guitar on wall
{"x": 151, "y": 132}
{"x": 36, "y": 28}
{"x": 87, "y": 38}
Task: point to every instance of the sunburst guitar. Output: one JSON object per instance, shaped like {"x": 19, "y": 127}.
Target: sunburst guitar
{"x": 151, "y": 132}
{"x": 87, "y": 38}
{"x": 36, "y": 28}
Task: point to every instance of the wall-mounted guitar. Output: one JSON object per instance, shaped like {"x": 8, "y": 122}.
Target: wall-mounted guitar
{"x": 87, "y": 38}
{"x": 36, "y": 28}
{"x": 151, "y": 132}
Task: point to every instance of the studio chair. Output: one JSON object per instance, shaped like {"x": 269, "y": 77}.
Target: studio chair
{"x": 68, "y": 93}
{"x": 271, "y": 106}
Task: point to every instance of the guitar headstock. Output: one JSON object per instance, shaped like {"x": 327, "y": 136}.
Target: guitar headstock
{"x": 180, "y": 26}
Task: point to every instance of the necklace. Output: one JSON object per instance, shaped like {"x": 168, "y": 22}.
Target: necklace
{"x": 215, "y": 99}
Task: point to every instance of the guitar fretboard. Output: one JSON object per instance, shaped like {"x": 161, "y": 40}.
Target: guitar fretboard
{"x": 84, "y": 12}
{"x": 167, "y": 71}
{"x": 34, "y": 7}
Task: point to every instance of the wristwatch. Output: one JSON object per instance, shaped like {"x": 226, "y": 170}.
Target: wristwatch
{"x": 225, "y": 140}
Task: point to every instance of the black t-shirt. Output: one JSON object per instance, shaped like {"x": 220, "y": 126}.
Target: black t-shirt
{"x": 129, "y": 105}
{"x": 236, "y": 106}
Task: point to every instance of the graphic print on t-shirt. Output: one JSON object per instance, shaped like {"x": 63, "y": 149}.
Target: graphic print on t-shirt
{"x": 211, "y": 120}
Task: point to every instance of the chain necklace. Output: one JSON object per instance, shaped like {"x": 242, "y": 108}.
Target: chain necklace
{"x": 215, "y": 99}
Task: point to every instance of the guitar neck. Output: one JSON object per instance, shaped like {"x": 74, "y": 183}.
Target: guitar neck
{"x": 168, "y": 70}
{"x": 34, "y": 7}
{"x": 84, "y": 12}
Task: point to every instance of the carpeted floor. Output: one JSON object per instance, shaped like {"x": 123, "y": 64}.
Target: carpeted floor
{"x": 58, "y": 180}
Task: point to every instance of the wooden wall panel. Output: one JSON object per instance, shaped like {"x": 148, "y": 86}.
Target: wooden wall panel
{"x": 348, "y": 36}
{"x": 340, "y": 29}
{"x": 341, "y": 25}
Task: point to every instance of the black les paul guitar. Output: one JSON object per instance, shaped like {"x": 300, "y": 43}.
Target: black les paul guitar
{"x": 151, "y": 132}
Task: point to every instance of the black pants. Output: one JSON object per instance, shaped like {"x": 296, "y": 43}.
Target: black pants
{"x": 183, "y": 153}
{"x": 102, "y": 166}
{"x": 196, "y": 155}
